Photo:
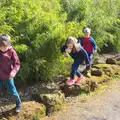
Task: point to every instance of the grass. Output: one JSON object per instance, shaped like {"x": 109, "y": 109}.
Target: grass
{"x": 117, "y": 77}
{"x": 83, "y": 94}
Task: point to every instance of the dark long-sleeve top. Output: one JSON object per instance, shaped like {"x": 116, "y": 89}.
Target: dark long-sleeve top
{"x": 80, "y": 55}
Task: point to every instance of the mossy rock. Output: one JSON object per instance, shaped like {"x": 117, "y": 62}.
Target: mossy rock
{"x": 3, "y": 119}
{"x": 111, "y": 61}
{"x": 118, "y": 63}
{"x": 30, "y": 110}
{"x": 108, "y": 69}
{"x": 98, "y": 60}
{"x": 91, "y": 83}
{"x": 96, "y": 72}
{"x": 53, "y": 101}
{"x": 74, "y": 90}
{"x": 102, "y": 79}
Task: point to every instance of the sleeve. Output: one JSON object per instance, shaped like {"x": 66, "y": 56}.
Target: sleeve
{"x": 63, "y": 48}
{"x": 85, "y": 56}
{"x": 16, "y": 62}
{"x": 94, "y": 43}
{"x": 80, "y": 41}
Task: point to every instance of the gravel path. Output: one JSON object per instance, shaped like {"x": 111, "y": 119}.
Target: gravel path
{"x": 103, "y": 106}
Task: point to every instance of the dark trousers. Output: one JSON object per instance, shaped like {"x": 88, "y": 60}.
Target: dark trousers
{"x": 75, "y": 71}
{"x": 90, "y": 56}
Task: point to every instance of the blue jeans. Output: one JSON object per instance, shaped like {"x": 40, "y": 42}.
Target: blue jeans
{"x": 11, "y": 89}
{"x": 90, "y": 56}
{"x": 75, "y": 71}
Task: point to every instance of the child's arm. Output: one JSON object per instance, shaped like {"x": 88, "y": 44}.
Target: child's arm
{"x": 85, "y": 56}
{"x": 80, "y": 41}
{"x": 63, "y": 50}
{"x": 16, "y": 64}
{"x": 93, "y": 43}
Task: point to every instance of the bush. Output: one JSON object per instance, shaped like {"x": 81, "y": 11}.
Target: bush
{"x": 38, "y": 28}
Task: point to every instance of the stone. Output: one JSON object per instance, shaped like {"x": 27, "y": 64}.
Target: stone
{"x": 3, "y": 119}
{"x": 111, "y": 61}
{"x": 101, "y": 79}
{"x": 53, "y": 101}
{"x": 118, "y": 63}
{"x": 87, "y": 73}
{"x": 30, "y": 111}
{"x": 74, "y": 90}
{"x": 99, "y": 61}
{"x": 96, "y": 72}
{"x": 109, "y": 69}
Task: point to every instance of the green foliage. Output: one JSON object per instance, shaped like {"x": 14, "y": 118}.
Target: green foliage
{"x": 39, "y": 27}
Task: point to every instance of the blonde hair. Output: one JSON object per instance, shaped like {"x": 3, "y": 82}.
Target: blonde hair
{"x": 74, "y": 41}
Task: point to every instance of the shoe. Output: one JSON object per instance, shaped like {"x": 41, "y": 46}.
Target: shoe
{"x": 18, "y": 109}
{"x": 79, "y": 79}
{"x": 88, "y": 75}
{"x": 70, "y": 82}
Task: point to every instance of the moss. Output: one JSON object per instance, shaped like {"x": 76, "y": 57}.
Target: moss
{"x": 101, "y": 79}
{"x": 3, "y": 119}
{"x": 109, "y": 70}
{"x": 85, "y": 86}
{"x": 102, "y": 66}
{"x": 118, "y": 63}
{"x": 35, "y": 118}
{"x": 53, "y": 101}
{"x": 40, "y": 114}
{"x": 30, "y": 111}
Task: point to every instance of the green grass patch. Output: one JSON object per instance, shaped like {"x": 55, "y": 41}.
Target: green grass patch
{"x": 117, "y": 77}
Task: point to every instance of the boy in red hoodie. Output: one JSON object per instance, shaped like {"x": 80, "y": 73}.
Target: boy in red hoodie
{"x": 88, "y": 44}
{"x": 9, "y": 66}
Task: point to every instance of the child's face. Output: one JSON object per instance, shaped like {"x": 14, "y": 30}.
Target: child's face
{"x": 88, "y": 33}
{"x": 70, "y": 46}
{"x": 3, "y": 48}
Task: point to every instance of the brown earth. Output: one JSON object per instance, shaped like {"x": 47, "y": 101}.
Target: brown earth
{"x": 103, "y": 106}
{"x": 30, "y": 111}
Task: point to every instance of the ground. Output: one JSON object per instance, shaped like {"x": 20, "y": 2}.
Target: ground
{"x": 103, "y": 106}
{"x": 96, "y": 106}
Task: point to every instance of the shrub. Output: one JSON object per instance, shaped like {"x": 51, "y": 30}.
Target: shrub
{"x": 38, "y": 28}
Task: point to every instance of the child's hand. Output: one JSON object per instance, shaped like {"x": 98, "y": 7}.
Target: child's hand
{"x": 65, "y": 54}
{"x": 12, "y": 75}
{"x": 95, "y": 51}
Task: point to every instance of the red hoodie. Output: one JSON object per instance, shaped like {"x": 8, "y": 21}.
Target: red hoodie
{"x": 9, "y": 62}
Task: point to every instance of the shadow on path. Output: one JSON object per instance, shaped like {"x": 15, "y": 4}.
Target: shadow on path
{"x": 8, "y": 114}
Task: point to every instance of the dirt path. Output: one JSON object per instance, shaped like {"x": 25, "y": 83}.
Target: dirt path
{"x": 103, "y": 106}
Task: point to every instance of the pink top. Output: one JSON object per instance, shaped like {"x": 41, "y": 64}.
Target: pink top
{"x": 9, "y": 63}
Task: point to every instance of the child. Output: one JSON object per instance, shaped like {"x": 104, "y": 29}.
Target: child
{"x": 88, "y": 44}
{"x": 9, "y": 66}
{"x": 78, "y": 54}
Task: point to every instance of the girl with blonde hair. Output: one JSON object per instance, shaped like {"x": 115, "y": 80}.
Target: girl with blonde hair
{"x": 79, "y": 55}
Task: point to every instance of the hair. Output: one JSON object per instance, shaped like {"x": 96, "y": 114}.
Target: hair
{"x": 76, "y": 46}
{"x": 87, "y": 30}
{"x": 4, "y": 40}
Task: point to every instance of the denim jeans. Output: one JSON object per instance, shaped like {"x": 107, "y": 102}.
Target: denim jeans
{"x": 75, "y": 71}
{"x": 12, "y": 90}
{"x": 90, "y": 56}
